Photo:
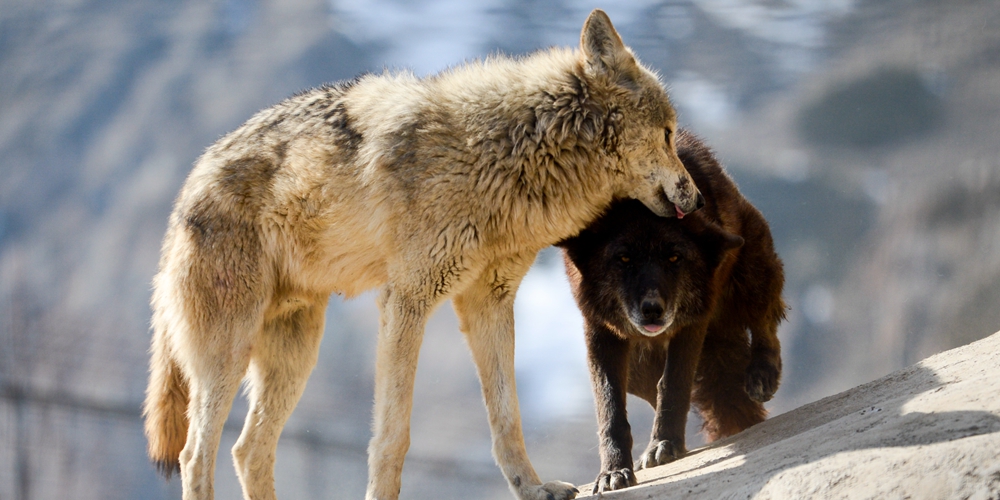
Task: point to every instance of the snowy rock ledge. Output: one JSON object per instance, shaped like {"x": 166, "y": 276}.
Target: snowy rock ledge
{"x": 929, "y": 431}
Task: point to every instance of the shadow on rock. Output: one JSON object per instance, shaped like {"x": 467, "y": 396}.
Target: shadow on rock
{"x": 871, "y": 416}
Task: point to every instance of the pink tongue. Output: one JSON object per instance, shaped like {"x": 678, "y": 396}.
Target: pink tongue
{"x": 651, "y": 328}
{"x": 680, "y": 213}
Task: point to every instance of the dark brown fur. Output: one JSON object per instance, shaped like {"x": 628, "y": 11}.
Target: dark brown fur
{"x": 719, "y": 304}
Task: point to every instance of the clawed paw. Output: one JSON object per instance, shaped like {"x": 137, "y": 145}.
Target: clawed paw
{"x": 552, "y": 490}
{"x": 762, "y": 380}
{"x": 614, "y": 480}
{"x": 659, "y": 453}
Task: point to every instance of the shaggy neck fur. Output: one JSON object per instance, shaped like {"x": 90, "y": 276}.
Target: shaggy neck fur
{"x": 539, "y": 150}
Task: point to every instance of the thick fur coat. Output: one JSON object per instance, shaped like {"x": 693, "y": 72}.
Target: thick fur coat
{"x": 427, "y": 189}
{"x": 678, "y": 311}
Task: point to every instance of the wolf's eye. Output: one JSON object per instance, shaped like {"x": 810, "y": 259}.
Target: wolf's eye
{"x": 666, "y": 134}
{"x": 624, "y": 258}
{"x": 674, "y": 258}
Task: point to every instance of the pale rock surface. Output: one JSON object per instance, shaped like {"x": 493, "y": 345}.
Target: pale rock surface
{"x": 929, "y": 431}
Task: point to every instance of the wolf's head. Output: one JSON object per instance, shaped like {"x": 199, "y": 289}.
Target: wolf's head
{"x": 644, "y": 274}
{"x": 641, "y": 124}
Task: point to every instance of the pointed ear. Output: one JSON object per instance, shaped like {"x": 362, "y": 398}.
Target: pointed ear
{"x": 730, "y": 241}
{"x": 714, "y": 235}
{"x": 583, "y": 239}
{"x": 576, "y": 249}
{"x": 603, "y": 51}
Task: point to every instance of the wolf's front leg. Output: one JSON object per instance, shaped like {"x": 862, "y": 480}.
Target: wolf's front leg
{"x": 401, "y": 329}
{"x": 673, "y": 398}
{"x": 486, "y": 313}
{"x": 608, "y": 356}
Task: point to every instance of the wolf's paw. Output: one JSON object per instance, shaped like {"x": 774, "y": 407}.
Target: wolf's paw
{"x": 614, "y": 480}
{"x": 552, "y": 490}
{"x": 763, "y": 377}
{"x": 659, "y": 453}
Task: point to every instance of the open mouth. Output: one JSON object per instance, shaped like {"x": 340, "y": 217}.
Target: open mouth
{"x": 652, "y": 329}
{"x": 678, "y": 211}
{"x": 666, "y": 204}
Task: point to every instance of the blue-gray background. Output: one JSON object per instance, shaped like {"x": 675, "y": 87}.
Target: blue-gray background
{"x": 866, "y": 131}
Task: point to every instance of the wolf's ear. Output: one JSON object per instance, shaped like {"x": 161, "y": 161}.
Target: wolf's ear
{"x": 575, "y": 249}
{"x": 730, "y": 241}
{"x": 603, "y": 51}
{"x": 583, "y": 239}
{"x": 713, "y": 234}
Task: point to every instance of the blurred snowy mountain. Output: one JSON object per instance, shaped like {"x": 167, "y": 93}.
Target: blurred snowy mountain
{"x": 865, "y": 132}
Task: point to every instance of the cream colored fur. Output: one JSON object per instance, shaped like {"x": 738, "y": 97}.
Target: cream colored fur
{"x": 429, "y": 189}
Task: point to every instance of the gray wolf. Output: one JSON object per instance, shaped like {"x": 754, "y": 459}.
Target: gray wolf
{"x": 667, "y": 305}
{"x": 427, "y": 189}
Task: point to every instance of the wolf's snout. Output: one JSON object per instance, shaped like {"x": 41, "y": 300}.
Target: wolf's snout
{"x": 684, "y": 198}
{"x": 651, "y": 308}
{"x": 699, "y": 203}
{"x": 690, "y": 203}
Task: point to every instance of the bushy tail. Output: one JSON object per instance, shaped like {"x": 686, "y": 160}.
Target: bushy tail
{"x": 165, "y": 409}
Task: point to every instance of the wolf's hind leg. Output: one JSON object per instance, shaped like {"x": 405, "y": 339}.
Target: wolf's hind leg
{"x": 763, "y": 374}
{"x": 486, "y": 313}
{"x": 213, "y": 384}
{"x": 283, "y": 357}
{"x": 720, "y": 393}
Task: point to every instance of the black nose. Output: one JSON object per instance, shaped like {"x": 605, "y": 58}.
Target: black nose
{"x": 700, "y": 201}
{"x": 651, "y": 309}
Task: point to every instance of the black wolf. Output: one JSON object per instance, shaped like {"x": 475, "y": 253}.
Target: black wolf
{"x": 678, "y": 310}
